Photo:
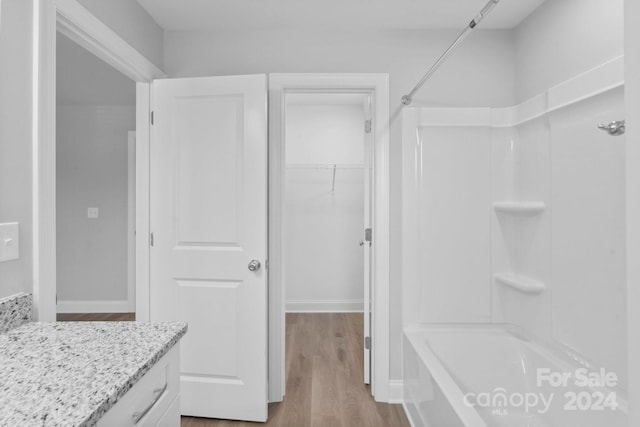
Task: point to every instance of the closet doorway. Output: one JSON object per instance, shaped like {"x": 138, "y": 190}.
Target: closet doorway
{"x": 326, "y": 227}
{"x": 327, "y": 209}
{"x": 325, "y": 215}
{"x": 367, "y": 98}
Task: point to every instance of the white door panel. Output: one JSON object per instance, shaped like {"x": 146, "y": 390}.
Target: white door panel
{"x": 208, "y": 219}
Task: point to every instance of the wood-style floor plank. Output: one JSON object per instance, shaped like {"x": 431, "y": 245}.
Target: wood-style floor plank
{"x": 324, "y": 371}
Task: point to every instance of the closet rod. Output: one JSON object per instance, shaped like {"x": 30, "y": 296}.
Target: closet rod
{"x": 407, "y": 99}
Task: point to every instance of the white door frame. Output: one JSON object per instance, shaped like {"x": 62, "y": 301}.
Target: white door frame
{"x": 378, "y": 85}
{"x": 77, "y": 23}
{"x": 131, "y": 219}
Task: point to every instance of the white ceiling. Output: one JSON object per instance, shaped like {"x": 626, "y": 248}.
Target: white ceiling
{"x": 84, "y": 79}
{"x": 203, "y": 15}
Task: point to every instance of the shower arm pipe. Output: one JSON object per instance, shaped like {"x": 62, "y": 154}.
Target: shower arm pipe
{"x": 407, "y": 99}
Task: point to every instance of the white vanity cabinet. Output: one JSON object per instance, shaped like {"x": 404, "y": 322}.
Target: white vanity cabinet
{"x": 109, "y": 374}
{"x": 152, "y": 401}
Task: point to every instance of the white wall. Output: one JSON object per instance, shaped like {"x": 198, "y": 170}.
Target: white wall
{"x": 16, "y": 53}
{"x": 324, "y": 134}
{"x": 15, "y": 139}
{"x": 95, "y": 110}
{"x": 324, "y": 264}
{"x": 563, "y": 38}
{"x": 132, "y": 23}
{"x": 481, "y": 73}
{"x": 92, "y": 172}
{"x": 83, "y": 78}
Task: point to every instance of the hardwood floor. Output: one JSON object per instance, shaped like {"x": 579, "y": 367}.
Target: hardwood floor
{"x": 89, "y": 317}
{"x": 324, "y": 364}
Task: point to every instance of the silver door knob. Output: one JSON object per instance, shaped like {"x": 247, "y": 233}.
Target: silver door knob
{"x": 361, "y": 243}
{"x": 254, "y": 265}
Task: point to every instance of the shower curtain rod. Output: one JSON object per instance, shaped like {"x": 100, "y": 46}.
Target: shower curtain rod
{"x": 406, "y": 100}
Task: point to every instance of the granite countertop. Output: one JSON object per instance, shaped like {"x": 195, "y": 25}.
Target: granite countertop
{"x": 71, "y": 373}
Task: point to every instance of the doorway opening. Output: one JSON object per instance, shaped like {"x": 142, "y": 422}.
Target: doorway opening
{"x": 325, "y": 214}
{"x": 326, "y": 255}
{"x": 327, "y": 182}
{"x": 368, "y": 96}
{"x": 95, "y": 187}
{"x": 327, "y": 209}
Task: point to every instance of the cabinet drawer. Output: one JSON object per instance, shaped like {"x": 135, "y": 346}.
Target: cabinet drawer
{"x": 150, "y": 397}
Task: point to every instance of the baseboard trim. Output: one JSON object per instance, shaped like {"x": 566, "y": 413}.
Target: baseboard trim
{"x": 396, "y": 391}
{"x": 326, "y": 306}
{"x": 114, "y": 306}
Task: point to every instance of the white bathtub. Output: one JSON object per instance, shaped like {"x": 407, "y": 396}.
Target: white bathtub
{"x": 494, "y": 376}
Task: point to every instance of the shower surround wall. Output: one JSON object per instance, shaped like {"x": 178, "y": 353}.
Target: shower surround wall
{"x": 452, "y": 219}
{"x": 588, "y": 251}
{"x": 527, "y": 227}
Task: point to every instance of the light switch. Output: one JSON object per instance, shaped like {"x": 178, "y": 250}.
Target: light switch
{"x": 9, "y": 241}
{"x": 92, "y": 213}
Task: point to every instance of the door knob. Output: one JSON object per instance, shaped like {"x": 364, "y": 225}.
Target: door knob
{"x": 361, "y": 243}
{"x": 254, "y": 265}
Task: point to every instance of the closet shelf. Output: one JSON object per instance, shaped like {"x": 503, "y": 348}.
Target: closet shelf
{"x": 520, "y": 208}
{"x": 520, "y": 283}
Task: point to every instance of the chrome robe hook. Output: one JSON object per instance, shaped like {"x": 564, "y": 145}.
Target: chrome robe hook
{"x": 615, "y": 128}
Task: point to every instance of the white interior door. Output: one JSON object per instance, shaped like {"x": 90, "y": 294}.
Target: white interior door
{"x": 208, "y": 223}
{"x": 368, "y": 208}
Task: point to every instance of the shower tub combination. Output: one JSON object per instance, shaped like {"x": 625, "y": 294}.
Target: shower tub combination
{"x": 495, "y": 376}
{"x": 514, "y": 296}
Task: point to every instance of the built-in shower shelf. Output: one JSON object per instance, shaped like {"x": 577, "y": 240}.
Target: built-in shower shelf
{"x": 520, "y": 208}
{"x": 520, "y": 283}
